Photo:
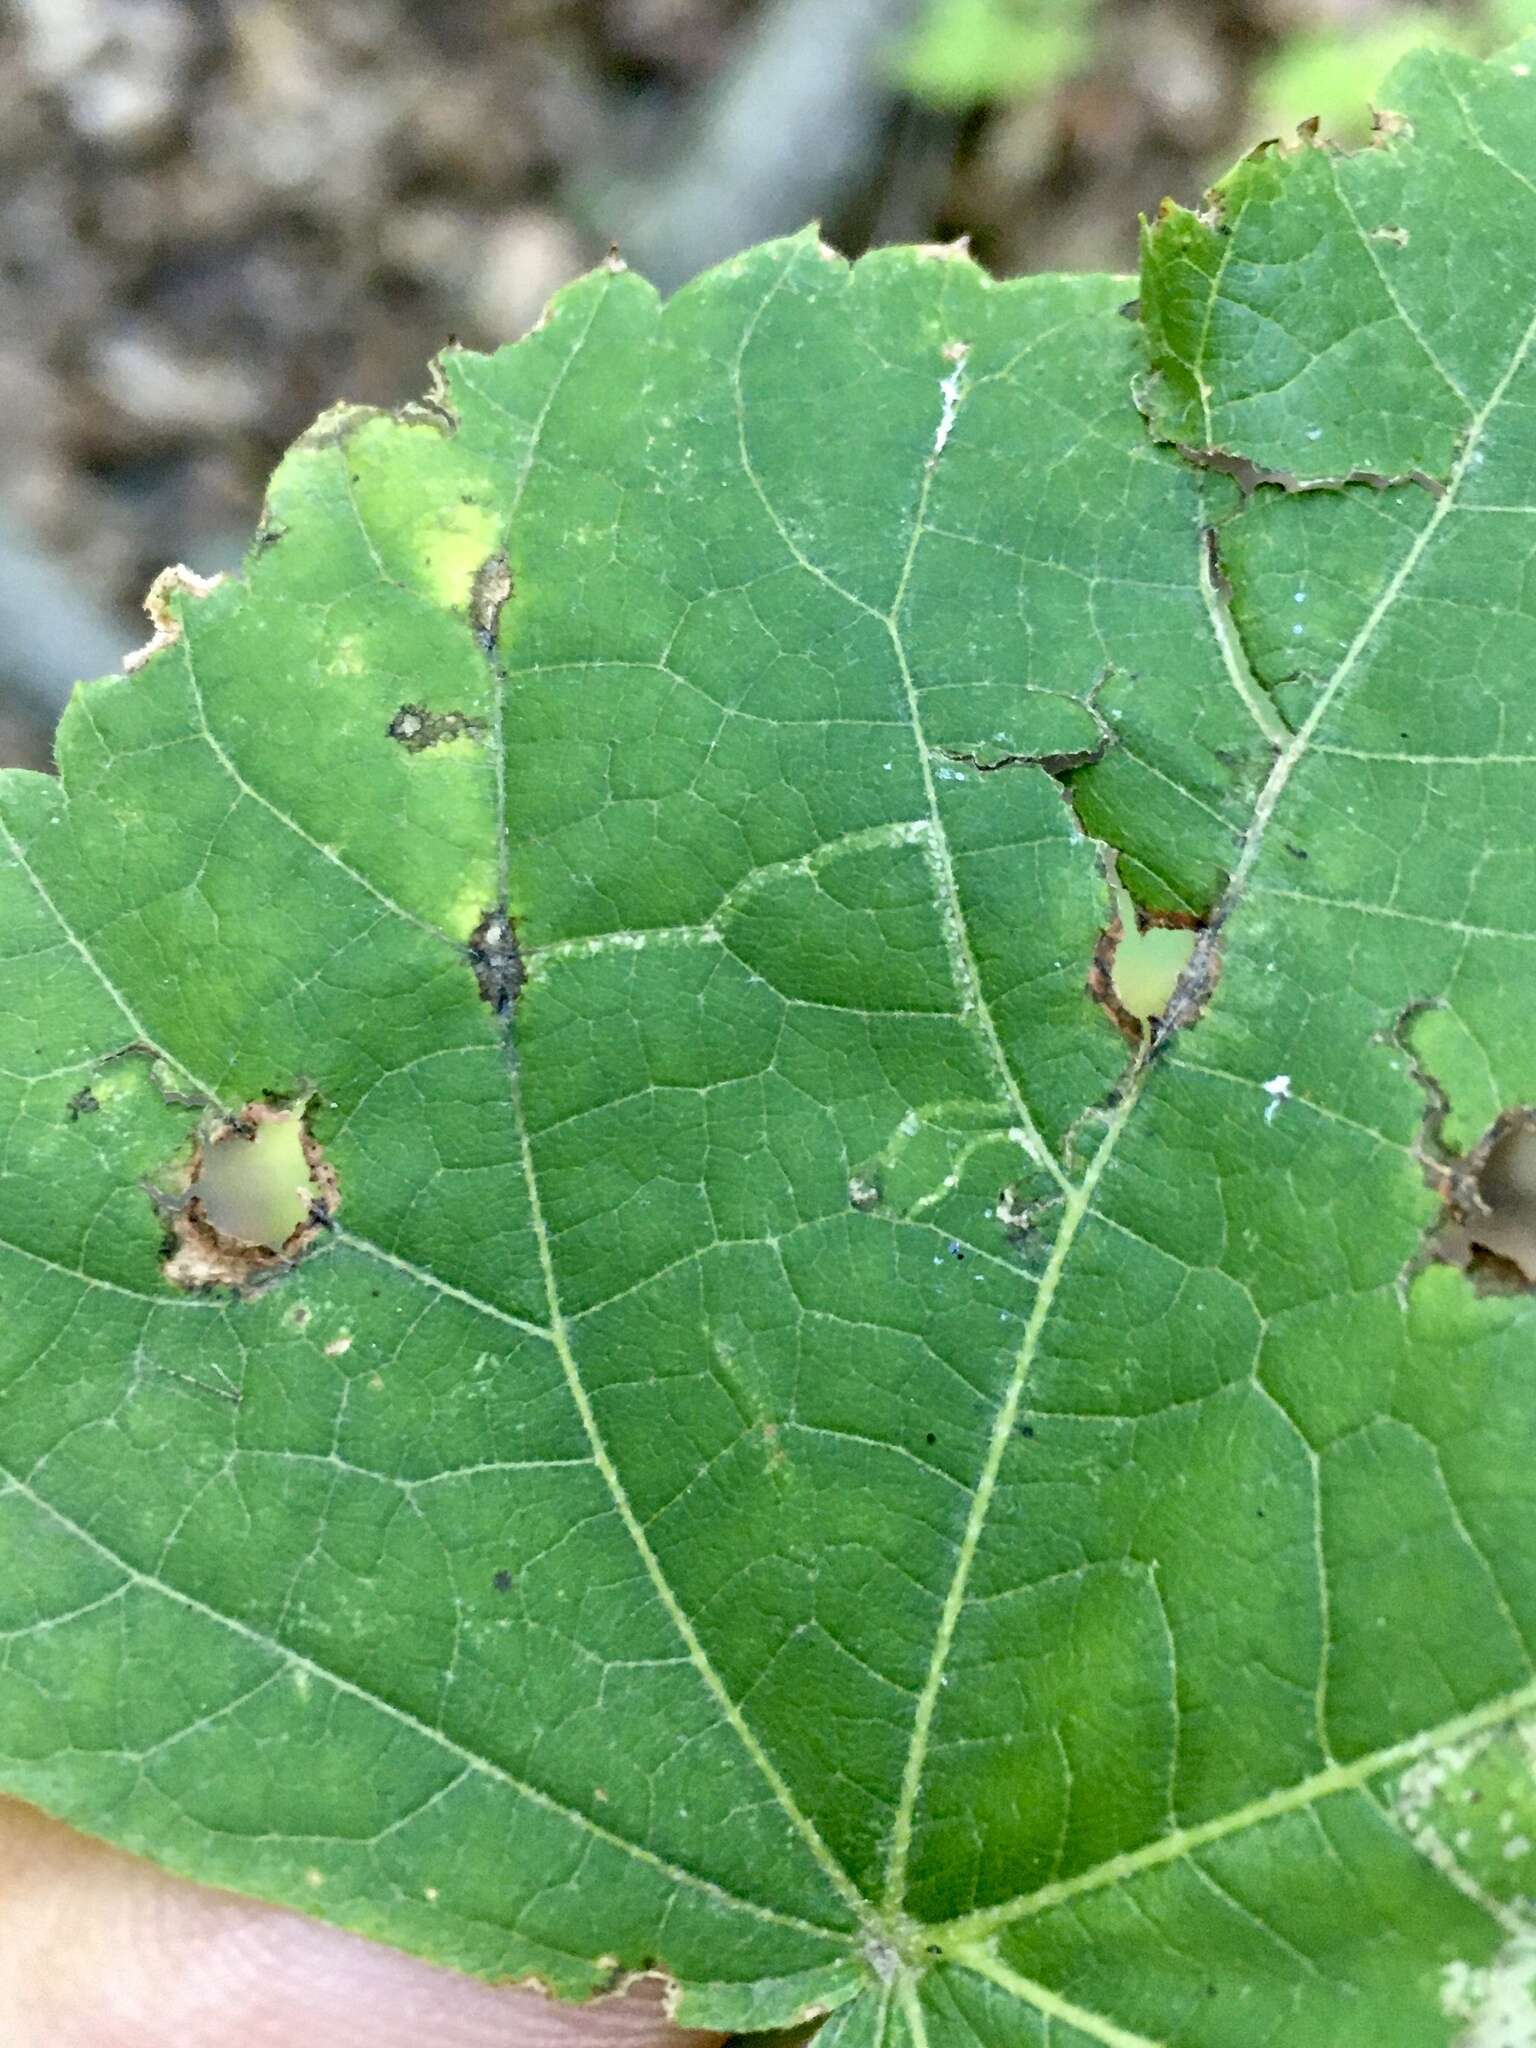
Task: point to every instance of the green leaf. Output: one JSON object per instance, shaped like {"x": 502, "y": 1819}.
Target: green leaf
{"x": 793, "y": 1446}
{"x": 1340, "y": 315}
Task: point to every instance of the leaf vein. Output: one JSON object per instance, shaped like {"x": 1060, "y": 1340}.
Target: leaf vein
{"x": 1297, "y": 1797}
{"x": 479, "y": 1765}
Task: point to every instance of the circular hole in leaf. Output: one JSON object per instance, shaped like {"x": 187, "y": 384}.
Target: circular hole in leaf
{"x": 257, "y": 1189}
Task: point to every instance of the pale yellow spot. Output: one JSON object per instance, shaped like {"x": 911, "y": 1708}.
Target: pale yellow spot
{"x": 349, "y": 658}
{"x": 475, "y": 898}
{"x": 453, "y": 548}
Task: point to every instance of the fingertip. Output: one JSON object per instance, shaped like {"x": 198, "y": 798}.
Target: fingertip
{"x": 101, "y": 1950}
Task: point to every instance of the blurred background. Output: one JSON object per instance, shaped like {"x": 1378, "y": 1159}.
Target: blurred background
{"x": 218, "y": 217}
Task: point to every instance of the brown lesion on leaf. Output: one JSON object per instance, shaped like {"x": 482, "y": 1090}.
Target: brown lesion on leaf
{"x": 1101, "y": 982}
{"x": 199, "y": 1254}
{"x": 496, "y": 959}
{"x": 1193, "y": 990}
{"x": 492, "y": 587}
{"x": 176, "y": 581}
{"x": 1058, "y": 764}
{"x": 775, "y": 1457}
{"x": 1055, "y": 765}
{"x": 1248, "y": 475}
{"x": 1028, "y": 1220}
{"x": 416, "y": 728}
{"x": 155, "y": 1062}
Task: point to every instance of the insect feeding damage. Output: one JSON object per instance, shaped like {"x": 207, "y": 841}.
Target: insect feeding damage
{"x": 417, "y": 728}
{"x": 1488, "y": 1224}
{"x": 493, "y": 586}
{"x": 1152, "y": 971}
{"x": 177, "y": 580}
{"x": 498, "y": 965}
{"x": 217, "y": 1224}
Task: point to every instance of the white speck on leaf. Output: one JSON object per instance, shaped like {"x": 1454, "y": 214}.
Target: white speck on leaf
{"x": 1278, "y": 1090}
{"x": 1498, "y": 2001}
{"x": 949, "y": 394}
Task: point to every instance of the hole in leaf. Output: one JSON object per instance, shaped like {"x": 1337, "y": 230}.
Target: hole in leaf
{"x": 258, "y": 1193}
{"x": 1148, "y": 961}
{"x": 1488, "y": 1227}
{"x": 1140, "y": 963}
{"x": 256, "y": 1190}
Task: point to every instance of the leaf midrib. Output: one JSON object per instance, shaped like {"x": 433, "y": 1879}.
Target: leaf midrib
{"x": 559, "y": 1325}
{"x": 1335, "y": 1777}
{"x": 557, "y": 1333}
